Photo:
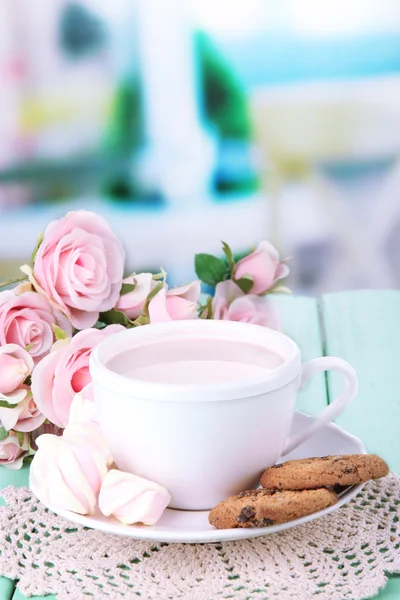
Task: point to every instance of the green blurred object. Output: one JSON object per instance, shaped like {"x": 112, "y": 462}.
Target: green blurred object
{"x": 225, "y": 106}
{"x": 243, "y": 185}
{"x": 124, "y": 136}
{"x": 225, "y": 101}
{"x": 125, "y": 130}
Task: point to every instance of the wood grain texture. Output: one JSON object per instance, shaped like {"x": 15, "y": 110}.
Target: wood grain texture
{"x": 364, "y": 328}
{"x": 300, "y": 321}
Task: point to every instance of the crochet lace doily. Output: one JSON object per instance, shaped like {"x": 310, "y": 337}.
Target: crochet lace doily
{"x": 343, "y": 555}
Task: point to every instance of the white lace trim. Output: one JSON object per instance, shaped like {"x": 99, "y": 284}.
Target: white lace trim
{"x": 345, "y": 555}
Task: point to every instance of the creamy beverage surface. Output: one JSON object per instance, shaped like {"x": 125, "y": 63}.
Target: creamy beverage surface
{"x": 197, "y": 361}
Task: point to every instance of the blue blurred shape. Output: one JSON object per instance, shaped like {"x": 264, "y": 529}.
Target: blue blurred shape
{"x": 277, "y": 59}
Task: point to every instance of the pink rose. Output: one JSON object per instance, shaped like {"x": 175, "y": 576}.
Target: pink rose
{"x": 254, "y": 309}
{"x": 225, "y": 293}
{"x": 231, "y": 304}
{"x": 64, "y": 372}
{"x": 175, "y": 305}
{"x": 26, "y": 319}
{"x": 15, "y": 366}
{"x": 79, "y": 265}
{"x": 13, "y": 371}
{"x": 131, "y": 304}
{"x": 264, "y": 266}
{"x": 13, "y": 450}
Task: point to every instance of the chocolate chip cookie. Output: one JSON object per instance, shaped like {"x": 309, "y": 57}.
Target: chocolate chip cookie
{"x": 311, "y": 473}
{"x": 260, "y": 508}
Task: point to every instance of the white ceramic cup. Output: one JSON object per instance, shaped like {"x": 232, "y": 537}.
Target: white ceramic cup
{"x": 206, "y": 442}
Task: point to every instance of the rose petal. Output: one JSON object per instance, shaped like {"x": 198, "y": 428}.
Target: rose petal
{"x": 158, "y": 308}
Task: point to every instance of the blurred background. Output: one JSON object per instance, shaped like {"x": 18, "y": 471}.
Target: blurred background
{"x": 187, "y": 122}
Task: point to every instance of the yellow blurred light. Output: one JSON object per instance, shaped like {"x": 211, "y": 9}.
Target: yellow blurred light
{"x": 36, "y": 114}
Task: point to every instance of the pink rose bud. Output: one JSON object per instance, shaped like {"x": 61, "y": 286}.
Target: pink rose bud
{"x": 254, "y": 309}
{"x": 225, "y": 293}
{"x": 24, "y": 416}
{"x": 131, "y": 304}
{"x": 15, "y": 366}
{"x": 231, "y": 304}
{"x": 13, "y": 372}
{"x": 132, "y": 499}
{"x": 13, "y": 450}
{"x": 79, "y": 265}
{"x": 175, "y": 305}
{"x": 67, "y": 476}
{"x": 263, "y": 266}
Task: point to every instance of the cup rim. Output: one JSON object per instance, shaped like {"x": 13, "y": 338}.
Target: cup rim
{"x": 103, "y": 376}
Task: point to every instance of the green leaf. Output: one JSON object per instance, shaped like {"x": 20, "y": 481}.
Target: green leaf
{"x": 160, "y": 276}
{"x": 36, "y": 248}
{"x": 3, "y": 433}
{"x": 115, "y": 317}
{"x": 245, "y": 283}
{"x": 142, "y": 320}
{"x": 28, "y": 348}
{"x": 5, "y": 404}
{"x": 205, "y": 310}
{"x": 145, "y": 309}
{"x": 59, "y": 333}
{"x": 126, "y": 288}
{"x": 154, "y": 291}
{"x": 20, "y": 437}
{"x": 229, "y": 257}
{"x": 15, "y": 280}
{"x": 210, "y": 269}
{"x": 209, "y": 308}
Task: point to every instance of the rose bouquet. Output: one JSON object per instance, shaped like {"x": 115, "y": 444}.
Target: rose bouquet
{"x": 74, "y": 294}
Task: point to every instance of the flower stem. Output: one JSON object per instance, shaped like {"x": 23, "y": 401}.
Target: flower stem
{"x": 15, "y": 280}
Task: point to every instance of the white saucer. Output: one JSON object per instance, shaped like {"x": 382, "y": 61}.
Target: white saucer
{"x": 193, "y": 527}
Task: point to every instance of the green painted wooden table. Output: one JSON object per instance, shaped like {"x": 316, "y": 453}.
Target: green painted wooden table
{"x": 364, "y": 328}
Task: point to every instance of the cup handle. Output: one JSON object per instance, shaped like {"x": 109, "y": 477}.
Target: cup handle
{"x": 334, "y": 409}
